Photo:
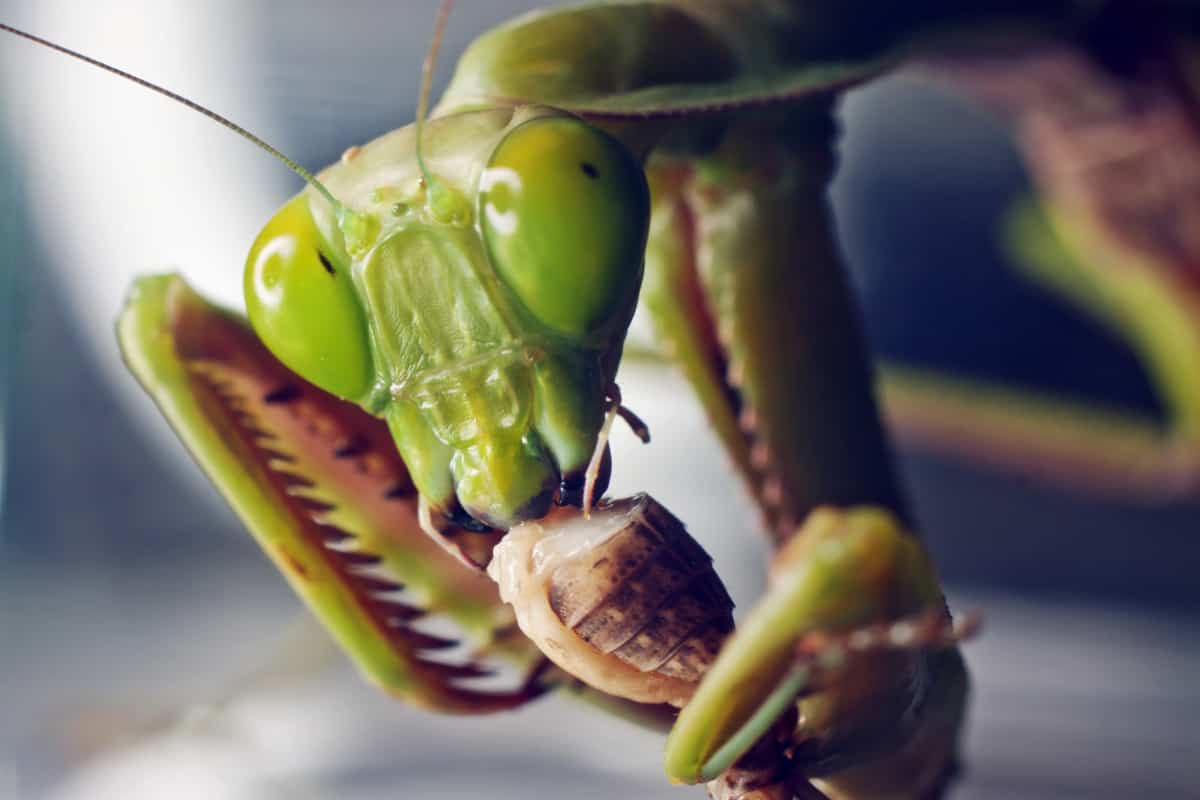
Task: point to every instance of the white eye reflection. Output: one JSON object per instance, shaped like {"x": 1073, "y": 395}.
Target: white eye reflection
{"x": 499, "y": 176}
{"x": 504, "y": 222}
{"x": 268, "y": 270}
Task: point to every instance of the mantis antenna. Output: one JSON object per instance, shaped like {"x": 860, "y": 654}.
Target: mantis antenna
{"x": 192, "y": 104}
{"x": 439, "y": 29}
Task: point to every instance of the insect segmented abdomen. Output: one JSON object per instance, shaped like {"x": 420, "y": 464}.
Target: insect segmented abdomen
{"x": 648, "y": 595}
{"x": 626, "y": 600}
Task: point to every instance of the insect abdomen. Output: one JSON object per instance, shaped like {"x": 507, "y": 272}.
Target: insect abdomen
{"x": 652, "y": 598}
{"x": 627, "y": 601}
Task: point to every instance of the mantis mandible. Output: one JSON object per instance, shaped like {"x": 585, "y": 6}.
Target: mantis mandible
{"x": 436, "y": 325}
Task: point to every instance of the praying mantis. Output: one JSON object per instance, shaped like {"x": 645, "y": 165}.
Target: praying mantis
{"x": 845, "y": 674}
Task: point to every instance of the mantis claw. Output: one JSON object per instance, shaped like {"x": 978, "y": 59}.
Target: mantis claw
{"x": 848, "y": 635}
{"x": 320, "y": 485}
{"x": 820, "y": 659}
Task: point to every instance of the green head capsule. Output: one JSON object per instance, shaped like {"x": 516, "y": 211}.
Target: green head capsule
{"x": 487, "y": 337}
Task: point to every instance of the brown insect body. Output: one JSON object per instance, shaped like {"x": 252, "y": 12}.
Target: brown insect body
{"x": 627, "y": 600}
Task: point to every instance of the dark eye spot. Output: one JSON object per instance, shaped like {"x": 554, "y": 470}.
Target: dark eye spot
{"x": 590, "y": 170}
{"x": 325, "y": 263}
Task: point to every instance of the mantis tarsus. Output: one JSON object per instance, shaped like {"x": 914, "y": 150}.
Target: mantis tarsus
{"x": 744, "y": 282}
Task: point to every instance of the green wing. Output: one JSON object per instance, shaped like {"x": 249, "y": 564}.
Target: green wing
{"x": 320, "y": 486}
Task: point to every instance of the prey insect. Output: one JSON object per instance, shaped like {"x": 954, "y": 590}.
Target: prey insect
{"x": 427, "y": 377}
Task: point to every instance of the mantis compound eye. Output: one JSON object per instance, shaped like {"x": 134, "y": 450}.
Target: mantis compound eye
{"x": 303, "y": 306}
{"x": 565, "y": 209}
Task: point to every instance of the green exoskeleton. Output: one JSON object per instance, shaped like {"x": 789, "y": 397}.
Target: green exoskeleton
{"x": 479, "y": 307}
{"x": 434, "y": 330}
{"x": 435, "y": 325}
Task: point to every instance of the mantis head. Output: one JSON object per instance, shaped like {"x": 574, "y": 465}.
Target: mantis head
{"x": 475, "y": 295}
{"x": 477, "y": 299}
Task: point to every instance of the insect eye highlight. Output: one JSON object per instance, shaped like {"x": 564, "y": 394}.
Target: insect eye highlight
{"x": 303, "y": 306}
{"x": 564, "y": 210}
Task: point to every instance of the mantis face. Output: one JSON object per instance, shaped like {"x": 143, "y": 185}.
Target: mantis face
{"x": 532, "y": 224}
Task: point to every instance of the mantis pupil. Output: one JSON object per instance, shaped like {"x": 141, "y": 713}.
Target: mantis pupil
{"x": 325, "y": 263}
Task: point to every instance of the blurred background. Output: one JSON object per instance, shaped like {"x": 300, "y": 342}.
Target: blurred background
{"x": 146, "y": 646}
